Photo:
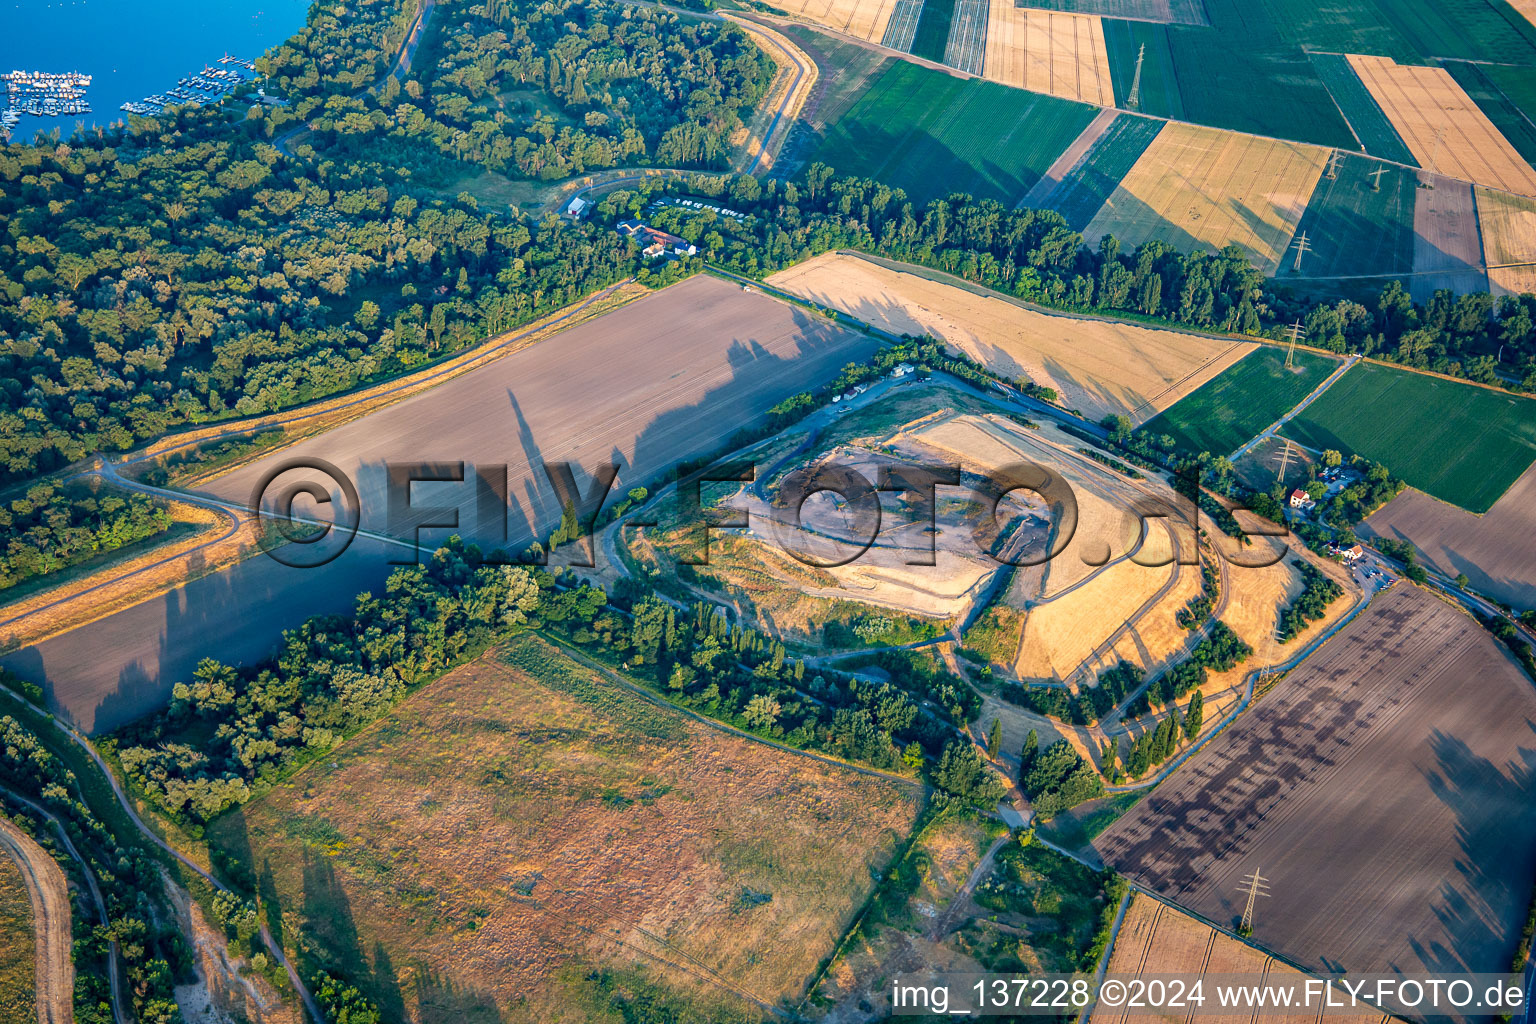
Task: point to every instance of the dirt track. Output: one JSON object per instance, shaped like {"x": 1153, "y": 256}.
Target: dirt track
{"x": 50, "y": 920}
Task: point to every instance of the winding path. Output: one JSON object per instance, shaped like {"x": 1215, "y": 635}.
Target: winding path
{"x": 48, "y": 892}
{"x": 153, "y": 837}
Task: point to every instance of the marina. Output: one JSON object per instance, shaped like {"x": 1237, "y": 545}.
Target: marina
{"x": 86, "y": 64}
{"x": 206, "y": 86}
{"x": 43, "y": 94}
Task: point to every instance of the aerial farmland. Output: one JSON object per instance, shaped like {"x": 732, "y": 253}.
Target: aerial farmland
{"x": 582, "y": 825}
{"x": 1456, "y": 441}
{"x": 1384, "y": 789}
{"x": 1097, "y": 366}
{"x": 1200, "y": 187}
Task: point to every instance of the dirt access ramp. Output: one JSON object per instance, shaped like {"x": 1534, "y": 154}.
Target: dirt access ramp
{"x": 49, "y": 893}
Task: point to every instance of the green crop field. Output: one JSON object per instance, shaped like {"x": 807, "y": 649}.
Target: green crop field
{"x": 1458, "y": 442}
{"x": 932, "y": 133}
{"x": 1241, "y": 401}
{"x": 1248, "y": 84}
{"x": 1237, "y": 74}
{"x": 1484, "y": 30}
{"x": 1353, "y": 229}
{"x": 1085, "y": 188}
{"x": 1159, "y": 82}
{"x": 1499, "y": 108}
{"x": 933, "y": 29}
{"x": 1360, "y": 109}
{"x": 1517, "y": 84}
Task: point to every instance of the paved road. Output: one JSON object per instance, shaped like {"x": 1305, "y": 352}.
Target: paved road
{"x": 1314, "y": 396}
{"x": 54, "y": 973}
{"x": 399, "y": 69}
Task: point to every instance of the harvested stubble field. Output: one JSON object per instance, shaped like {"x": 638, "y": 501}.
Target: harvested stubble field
{"x": 1084, "y": 189}
{"x": 932, "y": 133}
{"x": 1509, "y": 240}
{"x": 1446, "y": 248}
{"x": 1241, "y": 401}
{"x": 1353, "y": 227}
{"x": 1096, "y": 366}
{"x": 1056, "y": 53}
{"x": 1365, "y": 116}
{"x": 1158, "y": 939}
{"x": 1494, "y": 550}
{"x": 1387, "y": 789}
{"x": 670, "y": 377}
{"x": 865, "y": 19}
{"x": 1457, "y": 441}
{"x": 471, "y": 856}
{"x": 1421, "y": 101}
{"x": 1199, "y": 187}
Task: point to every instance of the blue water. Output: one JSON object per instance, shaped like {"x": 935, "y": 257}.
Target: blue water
{"x": 133, "y": 47}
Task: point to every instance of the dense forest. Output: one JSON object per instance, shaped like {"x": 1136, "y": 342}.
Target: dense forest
{"x": 51, "y": 528}
{"x": 556, "y": 89}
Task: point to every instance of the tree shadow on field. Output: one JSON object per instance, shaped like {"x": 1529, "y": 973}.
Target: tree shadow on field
{"x": 1495, "y": 809}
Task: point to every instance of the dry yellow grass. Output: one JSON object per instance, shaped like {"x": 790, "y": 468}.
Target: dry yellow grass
{"x": 524, "y": 816}
{"x": 866, "y": 19}
{"x": 1060, "y": 636}
{"x": 1199, "y": 187}
{"x": 1158, "y": 939}
{"x": 1423, "y": 101}
{"x": 790, "y": 61}
{"x": 1509, "y": 240}
{"x": 122, "y": 583}
{"x": 1048, "y": 51}
{"x": 1097, "y": 366}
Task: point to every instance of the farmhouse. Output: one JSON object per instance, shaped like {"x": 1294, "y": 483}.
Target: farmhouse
{"x": 653, "y": 241}
{"x": 1301, "y": 500}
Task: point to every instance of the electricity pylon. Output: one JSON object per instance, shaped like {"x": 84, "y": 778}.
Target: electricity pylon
{"x": 1255, "y": 885}
{"x": 1294, "y": 332}
{"x": 1302, "y": 245}
{"x": 1133, "y": 101}
{"x": 1375, "y": 177}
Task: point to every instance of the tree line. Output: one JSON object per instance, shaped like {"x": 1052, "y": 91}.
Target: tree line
{"x": 229, "y": 732}
{"x": 53, "y": 527}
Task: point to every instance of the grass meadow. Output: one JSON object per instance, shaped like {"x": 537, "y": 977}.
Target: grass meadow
{"x": 1461, "y": 443}
{"x": 1241, "y": 401}
{"x": 18, "y": 1004}
{"x": 931, "y": 133}
{"x": 521, "y": 833}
